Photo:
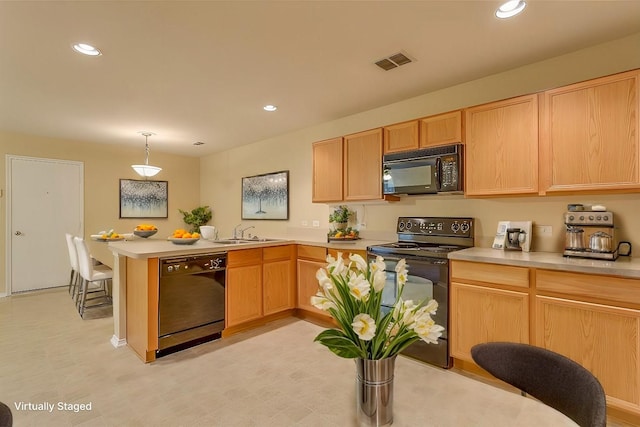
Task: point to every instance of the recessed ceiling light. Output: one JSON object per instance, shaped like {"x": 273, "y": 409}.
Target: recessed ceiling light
{"x": 510, "y": 8}
{"x": 270, "y": 107}
{"x": 86, "y": 49}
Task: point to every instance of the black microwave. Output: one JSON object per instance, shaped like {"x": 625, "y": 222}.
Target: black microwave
{"x": 424, "y": 171}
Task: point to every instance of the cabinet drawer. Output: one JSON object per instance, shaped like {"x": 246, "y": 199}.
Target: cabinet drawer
{"x": 244, "y": 257}
{"x": 590, "y": 285}
{"x": 277, "y": 253}
{"x": 312, "y": 252}
{"x": 490, "y": 273}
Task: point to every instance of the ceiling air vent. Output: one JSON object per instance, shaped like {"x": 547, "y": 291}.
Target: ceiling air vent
{"x": 393, "y": 61}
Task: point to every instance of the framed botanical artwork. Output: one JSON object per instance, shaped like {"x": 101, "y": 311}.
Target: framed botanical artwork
{"x": 143, "y": 199}
{"x": 266, "y": 196}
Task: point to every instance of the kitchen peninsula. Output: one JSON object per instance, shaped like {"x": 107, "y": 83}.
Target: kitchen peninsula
{"x": 262, "y": 275}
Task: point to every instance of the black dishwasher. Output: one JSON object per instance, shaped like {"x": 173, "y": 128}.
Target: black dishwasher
{"x": 191, "y": 301}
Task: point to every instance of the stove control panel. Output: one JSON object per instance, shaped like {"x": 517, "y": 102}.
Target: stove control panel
{"x": 436, "y": 226}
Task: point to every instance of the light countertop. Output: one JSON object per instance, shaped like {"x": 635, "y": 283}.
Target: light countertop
{"x": 623, "y": 266}
{"x": 155, "y": 247}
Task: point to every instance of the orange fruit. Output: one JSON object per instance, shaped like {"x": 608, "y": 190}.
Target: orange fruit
{"x": 186, "y": 236}
{"x": 195, "y": 235}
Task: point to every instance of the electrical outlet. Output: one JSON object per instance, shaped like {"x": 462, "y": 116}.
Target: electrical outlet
{"x": 304, "y": 223}
{"x": 316, "y": 223}
{"x": 543, "y": 230}
{"x": 362, "y": 226}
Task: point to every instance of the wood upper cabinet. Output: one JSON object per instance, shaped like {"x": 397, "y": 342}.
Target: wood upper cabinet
{"x": 278, "y": 275}
{"x": 401, "y": 137}
{"x": 363, "y": 165}
{"x": 488, "y": 303}
{"x": 243, "y": 286}
{"x": 501, "y": 146}
{"x": 441, "y": 129}
{"x": 327, "y": 171}
{"x": 589, "y": 135}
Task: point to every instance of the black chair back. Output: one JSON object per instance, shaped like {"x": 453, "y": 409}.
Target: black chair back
{"x": 552, "y": 378}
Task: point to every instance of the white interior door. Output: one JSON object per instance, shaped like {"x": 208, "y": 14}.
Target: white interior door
{"x": 45, "y": 200}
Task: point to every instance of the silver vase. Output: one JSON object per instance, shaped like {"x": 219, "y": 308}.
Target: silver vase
{"x": 374, "y": 391}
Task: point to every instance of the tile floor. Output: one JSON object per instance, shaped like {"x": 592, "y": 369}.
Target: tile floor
{"x": 274, "y": 376}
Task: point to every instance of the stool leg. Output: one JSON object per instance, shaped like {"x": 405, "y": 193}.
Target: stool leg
{"x": 85, "y": 288}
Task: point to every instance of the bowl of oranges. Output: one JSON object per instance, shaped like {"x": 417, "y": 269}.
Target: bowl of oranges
{"x": 183, "y": 237}
{"x": 145, "y": 230}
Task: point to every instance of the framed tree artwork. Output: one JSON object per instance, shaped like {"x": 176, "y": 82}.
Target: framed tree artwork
{"x": 143, "y": 199}
{"x": 266, "y": 196}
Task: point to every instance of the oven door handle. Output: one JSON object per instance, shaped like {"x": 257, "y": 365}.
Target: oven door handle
{"x": 423, "y": 260}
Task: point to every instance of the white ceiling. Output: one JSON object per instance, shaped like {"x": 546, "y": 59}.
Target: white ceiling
{"x": 202, "y": 70}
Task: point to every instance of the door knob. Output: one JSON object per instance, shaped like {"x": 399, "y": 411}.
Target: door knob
{"x": 18, "y": 233}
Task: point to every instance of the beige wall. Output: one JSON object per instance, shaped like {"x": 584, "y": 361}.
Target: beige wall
{"x": 221, "y": 173}
{"x": 104, "y": 166}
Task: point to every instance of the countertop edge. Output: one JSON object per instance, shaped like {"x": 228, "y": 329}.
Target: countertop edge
{"x": 623, "y": 267}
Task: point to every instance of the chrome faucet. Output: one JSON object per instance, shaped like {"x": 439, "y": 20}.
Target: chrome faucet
{"x": 235, "y": 231}
{"x": 243, "y": 230}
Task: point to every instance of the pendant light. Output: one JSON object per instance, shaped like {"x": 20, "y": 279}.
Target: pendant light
{"x": 146, "y": 170}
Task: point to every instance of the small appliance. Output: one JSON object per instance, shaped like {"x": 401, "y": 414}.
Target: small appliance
{"x": 513, "y": 236}
{"x": 425, "y": 171}
{"x": 591, "y": 234}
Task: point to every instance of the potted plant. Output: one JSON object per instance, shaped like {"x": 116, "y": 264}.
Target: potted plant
{"x": 340, "y": 217}
{"x": 351, "y": 292}
{"x": 197, "y": 217}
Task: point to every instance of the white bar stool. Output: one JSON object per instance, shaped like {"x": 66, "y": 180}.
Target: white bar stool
{"x": 90, "y": 276}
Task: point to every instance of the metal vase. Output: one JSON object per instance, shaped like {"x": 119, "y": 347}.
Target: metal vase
{"x": 374, "y": 391}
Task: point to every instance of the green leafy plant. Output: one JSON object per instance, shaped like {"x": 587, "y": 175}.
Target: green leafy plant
{"x": 197, "y": 217}
{"x": 340, "y": 214}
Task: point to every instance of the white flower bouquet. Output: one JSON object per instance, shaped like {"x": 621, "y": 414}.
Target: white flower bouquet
{"x": 352, "y": 294}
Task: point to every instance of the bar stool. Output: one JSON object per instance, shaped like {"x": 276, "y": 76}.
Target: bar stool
{"x": 74, "y": 276}
{"x": 89, "y": 277}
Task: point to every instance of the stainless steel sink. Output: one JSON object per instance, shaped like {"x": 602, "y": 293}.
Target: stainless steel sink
{"x": 241, "y": 241}
{"x": 230, "y": 241}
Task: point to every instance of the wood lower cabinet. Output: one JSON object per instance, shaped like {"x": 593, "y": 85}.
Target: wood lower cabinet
{"x": 488, "y": 303}
{"x": 590, "y": 135}
{"x": 310, "y": 259}
{"x": 278, "y": 275}
{"x": 595, "y": 320}
{"x": 327, "y": 171}
{"x": 501, "y": 146}
{"x": 602, "y": 338}
{"x": 142, "y": 295}
{"x": 481, "y": 314}
{"x": 243, "y": 286}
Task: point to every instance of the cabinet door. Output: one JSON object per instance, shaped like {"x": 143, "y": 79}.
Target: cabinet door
{"x": 441, "y": 129}
{"x": 603, "y": 339}
{"x": 243, "y": 286}
{"x": 501, "y": 146}
{"x": 363, "y": 165}
{"x": 590, "y": 134}
{"x": 308, "y": 284}
{"x": 480, "y": 314}
{"x": 278, "y": 275}
{"x": 401, "y": 137}
{"x": 327, "y": 171}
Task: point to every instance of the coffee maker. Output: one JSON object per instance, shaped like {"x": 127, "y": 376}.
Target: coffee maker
{"x": 591, "y": 234}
